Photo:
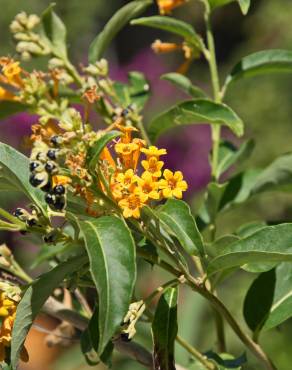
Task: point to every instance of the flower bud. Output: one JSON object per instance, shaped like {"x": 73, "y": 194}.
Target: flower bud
{"x": 33, "y": 20}
{"x": 21, "y": 36}
{"x": 55, "y": 63}
{"x": 22, "y": 18}
{"x": 5, "y": 251}
{"x": 15, "y": 27}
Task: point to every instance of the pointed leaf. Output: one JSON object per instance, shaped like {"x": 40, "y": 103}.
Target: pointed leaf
{"x": 184, "y": 84}
{"x": 33, "y": 300}
{"x": 262, "y": 62}
{"x": 195, "y": 111}
{"x": 164, "y": 330}
{"x": 114, "y": 25}
{"x": 177, "y": 217}
{"x": 14, "y": 167}
{"x": 258, "y": 300}
{"x": 244, "y": 5}
{"x": 112, "y": 258}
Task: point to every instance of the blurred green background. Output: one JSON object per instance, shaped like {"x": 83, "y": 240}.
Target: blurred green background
{"x": 264, "y": 103}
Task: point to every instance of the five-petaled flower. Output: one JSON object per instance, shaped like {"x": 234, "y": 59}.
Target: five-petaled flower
{"x": 132, "y": 204}
{"x": 173, "y": 184}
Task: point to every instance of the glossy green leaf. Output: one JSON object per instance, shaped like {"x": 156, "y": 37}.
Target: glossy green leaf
{"x": 14, "y": 167}
{"x": 262, "y": 62}
{"x": 33, "y": 300}
{"x": 113, "y": 26}
{"x": 258, "y": 300}
{"x": 96, "y": 149}
{"x": 229, "y": 155}
{"x": 184, "y": 84}
{"x": 276, "y": 176}
{"x": 195, "y": 111}
{"x": 217, "y": 3}
{"x": 172, "y": 25}
{"x": 164, "y": 330}
{"x": 8, "y": 108}
{"x": 177, "y": 217}
{"x": 112, "y": 258}
{"x": 282, "y": 305}
{"x": 269, "y": 244}
{"x": 54, "y": 32}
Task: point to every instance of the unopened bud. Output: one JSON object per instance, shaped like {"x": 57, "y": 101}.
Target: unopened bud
{"x": 22, "y": 18}
{"x": 55, "y": 63}
{"x": 25, "y": 56}
{"x": 32, "y": 21}
{"x": 21, "y": 36}
{"x": 5, "y": 251}
{"x": 15, "y": 27}
{"x": 30, "y": 47}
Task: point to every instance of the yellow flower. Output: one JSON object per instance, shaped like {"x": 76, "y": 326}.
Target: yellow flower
{"x": 153, "y": 166}
{"x": 60, "y": 180}
{"x": 125, "y": 149}
{"x": 12, "y": 71}
{"x": 126, "y": 179}
{"x": 153, "y": 151}
{"x": 173, "y": 184}
{"x": 127, "y": 133}
{"x": 147, "y": 186}
{"x": 166, "y": 6}
{"x": 132, "y": 204}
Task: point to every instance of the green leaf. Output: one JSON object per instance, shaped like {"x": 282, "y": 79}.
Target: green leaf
{"x": 269, "y": 244}
{"x": 244, "y": 5}
{"x": 277, "y": 176}
{"x": 177, "y": 217}
{"x": 14, "y": 167}
{"x": 164, "y": 330}
{"x": 96, "y": 149}
{"x": 229, "y": 155}
{"x": 262, "y": 62}
{"x": 54, "y": 32}
{"x": 213, "y": 199}
{"x": 258, "y": 300}
{"x": 113, "y": 26}
{"x": 8, "y": 108}
{"x": 33, "y": 300}
{"x": 112, "y": 258}
{"x": 282, "y": 305}
{"x": 184, "y": 84}
{"x": 195, "y": 111}
{"x": 217, "y": 3}
{"x": 172, "y": 25}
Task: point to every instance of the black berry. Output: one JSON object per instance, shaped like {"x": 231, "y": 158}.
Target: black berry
{"x": 52, "y": 154}
{"x": 35, "y": 181}
{"x": 56, "y": 140}
{"x": 33, "y": 166}
{"x": 59, "y": 190}
{"x": 49, "y": 198}
{"x": 46, "y": 187}
{"x": 31, "y": 222}
{"x": 125, "y": 337}
{"x": 18, "y": 212}
{"x": 50, "y": 167}
{"x": 59, "y": 203}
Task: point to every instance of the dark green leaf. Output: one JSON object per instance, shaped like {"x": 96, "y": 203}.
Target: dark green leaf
{"x": 213, "y": 198}
{"x": 114, "y": 25}
{"x": 227, "y": 361}
{"x": 172, "y": 25}
{"x": 195, "y": 111}
{"x": 184, "y": 84}
{"x": 111, "y": 252}
{"x": 262, "y": 62}
{"x": 217, "y": 3}
{"x": 33, "y": 300}
{"x": 269, "y": 244}
{"x": 54, "y": 32}
{"x": 96, "y": 149}
{"x": 177, "y": 217}
{"x": 282, "y": 305}
{"x": 14, "y": 167}
{"x": 8, "y": 108}
{"x": 164, "y": 330}
{"x": 258, "y": 300}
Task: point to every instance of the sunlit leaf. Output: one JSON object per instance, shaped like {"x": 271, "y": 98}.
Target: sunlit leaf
{"x": 184, "y": 84}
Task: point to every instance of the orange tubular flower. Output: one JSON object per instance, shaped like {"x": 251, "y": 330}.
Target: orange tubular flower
{"x": 166, "y": 6}
{"x": 7, "y": 95}
{"x": 160, "y": 47}
{"x": 125, "y": 152}
{"x": 173, "y": 184}
{"x": 132, "y": 204}
{"x": 106, "y": 156}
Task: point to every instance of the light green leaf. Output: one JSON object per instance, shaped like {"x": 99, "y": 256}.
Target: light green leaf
{"x": 282, "y": 305}
{"x": 244, "y": 5}
{"x": 195, "y": 111}
{"x": 184, "y": 84}
{"x": 164, "y": 330}
{"x": 258, "y": 300}
{"x": 172, "y": 25}
{"x": 112, "y": 258}
{"x": 177, "y": 217}
{"x": 269, "y": 244}
{"x": 262, "y": 62}
{"x": 96, "y": 149}
{"x": 54, "y": 32}
{"x": 14, "y": 167}
{"x": 113, "y": 26}
{"x": 217, "y": 3}
{"x": 8, "y": 108}
{"x": 33, "y": 300}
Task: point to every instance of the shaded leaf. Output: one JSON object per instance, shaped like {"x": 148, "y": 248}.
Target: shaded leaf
{"x": 227, "y": 361}
{"x": 164, "y": 330}
{"x": 113, "y": 26}
{"x": 195, "y": 111}
{"x": 258, "y": 300}
{"x": 33, "y": 300}
{"x": 112, "y": 258}
{"x": 8, "y": 108}
{"x": 269, "y": 244}
{"x": 184, "y": 84}
{"x": 176, "y": 215}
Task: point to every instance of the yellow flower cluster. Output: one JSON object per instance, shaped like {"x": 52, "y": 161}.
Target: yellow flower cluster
{"x": 11, "y": 76}
{"x": 166, "y": 6}
{"x": 7, "y": 314}
{"x": 132, "y": 191}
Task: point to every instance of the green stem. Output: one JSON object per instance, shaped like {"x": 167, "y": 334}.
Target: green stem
{"x": 143, "y": 132}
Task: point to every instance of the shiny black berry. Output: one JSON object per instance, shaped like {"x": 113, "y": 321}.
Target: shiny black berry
{"x": 46, "y": 187}
{"x": 31, "y": 222}
{"x": 50, "y": 167}
{"x": 49, "y": 198}
{"x": 18, "y": 212}
{"x": 52, "y": 154}
{"x": 59, "y": 203}
{"x": 33, "y": 166}
{"x": 56, "y": 140}
{"x": 59, "y": 190}
{"x": 35, "y": 181}
{"x": 125, "y": 337}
